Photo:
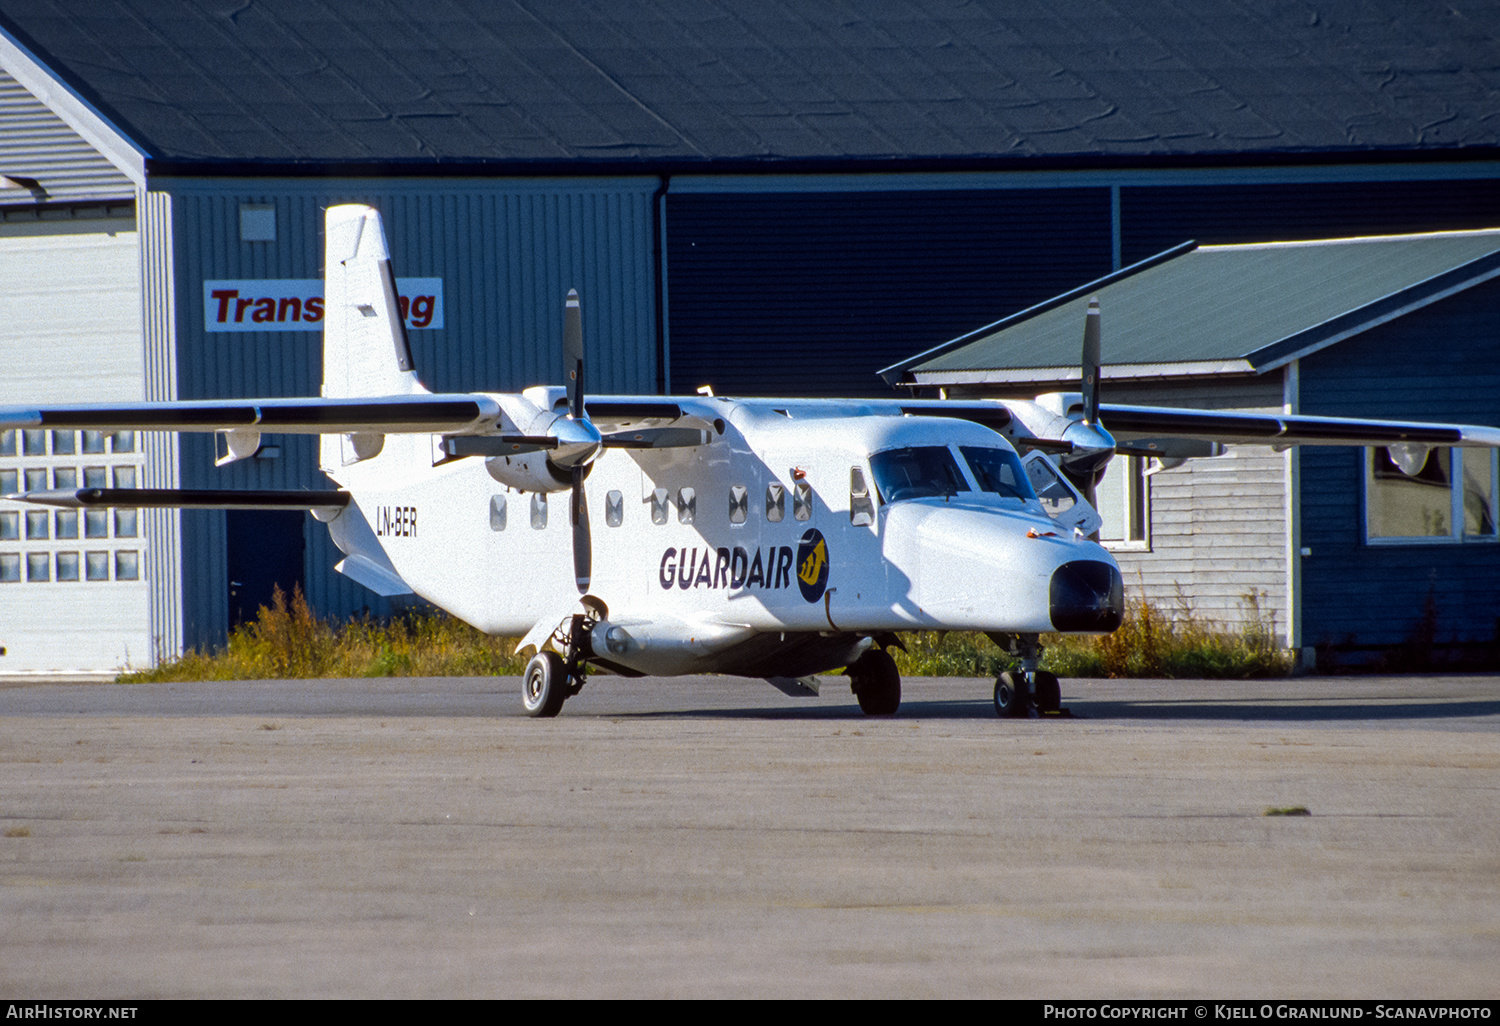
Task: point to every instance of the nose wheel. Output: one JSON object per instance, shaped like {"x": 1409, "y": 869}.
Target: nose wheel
{"x": 1017, "y": 693}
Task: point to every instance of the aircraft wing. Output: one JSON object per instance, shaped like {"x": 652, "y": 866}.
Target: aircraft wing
{"x": 407, "y": 414}
{"x": 1135, "y": 423}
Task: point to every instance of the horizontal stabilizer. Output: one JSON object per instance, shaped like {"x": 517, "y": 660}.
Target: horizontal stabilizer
{"x": 382, "y": 580}
{"x": 184, "y": 498}
{"x": 406, "y": 414}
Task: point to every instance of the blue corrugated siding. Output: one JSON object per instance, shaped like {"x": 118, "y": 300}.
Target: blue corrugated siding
{"x": 1438, "y": 363}
{"x": 812, "y": 293}
{"x": 507, "y": 254}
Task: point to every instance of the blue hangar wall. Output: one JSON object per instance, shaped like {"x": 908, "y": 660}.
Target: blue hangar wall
{"x": 807, "y": 288}
{"x": 505, "y": 252}
{"x": 1438, "y": 363}
{"x": 766, "y": 286}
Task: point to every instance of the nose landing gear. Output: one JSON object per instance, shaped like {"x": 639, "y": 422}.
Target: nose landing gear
{"x": 1027, "y": 691}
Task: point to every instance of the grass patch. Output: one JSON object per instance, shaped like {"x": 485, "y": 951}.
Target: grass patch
{"x": 1149, "y": 643}
{"x": 287, "y": 640}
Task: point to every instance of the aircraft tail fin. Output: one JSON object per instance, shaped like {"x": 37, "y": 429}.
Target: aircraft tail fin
{"x": 366, "y": 351}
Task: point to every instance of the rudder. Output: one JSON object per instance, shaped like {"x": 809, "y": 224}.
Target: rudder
{"x": 366, "y": 351}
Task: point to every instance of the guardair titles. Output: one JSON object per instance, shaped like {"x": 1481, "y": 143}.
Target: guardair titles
{"x": 773, "y": 567}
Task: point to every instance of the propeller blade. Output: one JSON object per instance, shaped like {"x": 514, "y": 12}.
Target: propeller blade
{"x": 573, "y": 354}
{"x": 583, "y": 556}
{"x": 1089, "y": 372}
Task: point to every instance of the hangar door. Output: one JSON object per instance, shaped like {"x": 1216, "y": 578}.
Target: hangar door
{"x": 72, "y": 589}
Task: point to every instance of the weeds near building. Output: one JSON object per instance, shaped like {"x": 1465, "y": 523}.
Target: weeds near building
{"x": 288, "y": 640}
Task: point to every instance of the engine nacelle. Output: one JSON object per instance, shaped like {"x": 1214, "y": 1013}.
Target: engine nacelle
{"x": 529, "y": 472}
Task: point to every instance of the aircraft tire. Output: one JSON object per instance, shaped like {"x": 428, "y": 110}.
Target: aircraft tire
{"x": 876, "y": 683}
{"x": 544, "y": 688}
{"x": 1048, "y": 691}
{"x": 1011, "y": 698}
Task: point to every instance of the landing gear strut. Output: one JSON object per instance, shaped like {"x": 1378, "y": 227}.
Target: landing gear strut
{"x": 1027, "y": 691}
{"x": 552, "y": 679}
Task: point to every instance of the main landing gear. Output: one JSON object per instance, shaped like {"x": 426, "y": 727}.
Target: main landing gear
{"x": 1027, "y": 691}
{"x": 876, "y": 682}
{"x": 552, "y": 679}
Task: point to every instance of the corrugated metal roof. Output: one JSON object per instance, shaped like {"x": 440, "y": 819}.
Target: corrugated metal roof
{"x": 35, "y": 144}
{"x": 1217, "y": 308}
{"x": 741, "y": 83}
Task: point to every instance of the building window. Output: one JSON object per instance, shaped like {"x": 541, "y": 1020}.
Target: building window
{"x": 96, "y": 566}
{"x": 1413, "y": 492}
{"x": 67, "y": 523}
{"x": 10, "y": 567}
{"x": 38, "y": 525}
{"x": 38, "y": 566}
{"x": 127, "y": 565}
{"x": 67, "y": 566}
{"x": 1124, "y": 503}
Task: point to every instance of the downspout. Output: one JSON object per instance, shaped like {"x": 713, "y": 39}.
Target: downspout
{"x": 659, "y": 272}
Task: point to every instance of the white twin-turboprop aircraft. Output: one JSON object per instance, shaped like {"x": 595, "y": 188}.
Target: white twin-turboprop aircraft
{"x": 758, "y": 537}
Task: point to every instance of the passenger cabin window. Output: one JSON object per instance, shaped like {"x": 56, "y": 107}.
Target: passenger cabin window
{"x": 998, "y": 471}
{"x": 687, "y": 505}
{"x": 802, "y": 501}
{"x": 775, "y": 503}
{"x": 614, "y": 508}
{"x": 659, "y": 504}
{"x": 538, "y": 510}
{"x": 920, "y": 472}
{"x": 861, "y": 507}
{"x": 739, "y": 504}
{"x": 497, "y": 512}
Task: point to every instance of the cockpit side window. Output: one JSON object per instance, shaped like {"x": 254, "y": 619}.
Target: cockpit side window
{"x": 998, "y": 471}
{"x": 925, "y": 471}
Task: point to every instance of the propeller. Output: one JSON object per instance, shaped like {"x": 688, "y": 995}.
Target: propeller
{"x": 1089, "y": 372}
{"x": 1092, "y": 446}
{"x": 576, "y": 453}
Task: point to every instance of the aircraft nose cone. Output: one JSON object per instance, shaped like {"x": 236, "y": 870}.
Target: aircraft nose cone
{"x": 1087, "y": 595}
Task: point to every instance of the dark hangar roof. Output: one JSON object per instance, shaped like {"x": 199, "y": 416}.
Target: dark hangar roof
{"x": 1239, "y": 309}
{"x": 261, "y": 86}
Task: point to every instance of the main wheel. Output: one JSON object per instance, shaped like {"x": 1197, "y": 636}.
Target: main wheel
{"x": 1048, "y": 691}
{"x": 545, "y": 686}
{"x": 876, "y": 683}
{"x": 1011, "y": 698}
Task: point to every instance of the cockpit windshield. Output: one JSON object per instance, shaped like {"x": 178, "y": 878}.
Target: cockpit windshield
{"x": 998, "y": 471}
{"x": 924, "y": 471}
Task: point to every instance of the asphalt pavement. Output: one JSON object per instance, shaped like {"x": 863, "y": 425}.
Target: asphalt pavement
{"x": 709, "y": 837}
